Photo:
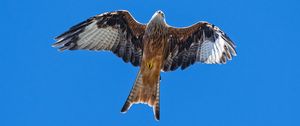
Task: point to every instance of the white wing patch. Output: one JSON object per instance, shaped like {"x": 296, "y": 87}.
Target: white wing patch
{"x": 95, "y": 38}
{"x": 211, "y": 52}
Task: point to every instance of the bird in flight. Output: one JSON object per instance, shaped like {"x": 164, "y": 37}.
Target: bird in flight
{"x": 154, "y": 47}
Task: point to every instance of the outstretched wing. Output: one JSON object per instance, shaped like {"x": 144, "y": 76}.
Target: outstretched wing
{"x": 115, "y": 31}
{"x": 202, "y": 42}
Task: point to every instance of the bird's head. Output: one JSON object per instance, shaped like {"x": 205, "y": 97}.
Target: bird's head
{"x": 158, "y": 17}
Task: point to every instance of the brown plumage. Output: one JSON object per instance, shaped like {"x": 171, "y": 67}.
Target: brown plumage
{"x": 154, "y": 47}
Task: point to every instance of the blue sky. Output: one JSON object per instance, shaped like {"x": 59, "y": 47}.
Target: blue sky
{"x": 40, "y": 86}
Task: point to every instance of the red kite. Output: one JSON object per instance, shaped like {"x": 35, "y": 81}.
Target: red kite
{"x": 154, "y": 47}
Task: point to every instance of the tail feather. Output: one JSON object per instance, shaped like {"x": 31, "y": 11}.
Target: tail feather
{"x": 141, "y": 93}
{"x": 132, "y": 94}
{"x": 156, "y": 108}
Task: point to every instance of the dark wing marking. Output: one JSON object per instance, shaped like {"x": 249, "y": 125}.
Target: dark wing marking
{"x": 115, "y": 31}
{"x": 202, "y": 42}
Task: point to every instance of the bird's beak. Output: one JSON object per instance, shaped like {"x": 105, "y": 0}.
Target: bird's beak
{"x": 160, "y": 13}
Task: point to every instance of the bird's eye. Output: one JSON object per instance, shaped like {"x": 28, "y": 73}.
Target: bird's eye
{"x": 161, "y": 13}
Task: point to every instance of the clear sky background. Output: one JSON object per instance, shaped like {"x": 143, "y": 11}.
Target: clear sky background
{"x": 40, "y": 86}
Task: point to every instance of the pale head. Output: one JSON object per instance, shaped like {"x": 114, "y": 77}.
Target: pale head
{"x": 158, "y": 17}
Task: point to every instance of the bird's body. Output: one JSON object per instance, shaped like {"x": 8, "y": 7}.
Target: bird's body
{"x": 154, "y": 46}
{"x": 154, "y": 41}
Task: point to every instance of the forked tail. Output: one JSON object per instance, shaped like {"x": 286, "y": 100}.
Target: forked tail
{"x": 143, "y": 93}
